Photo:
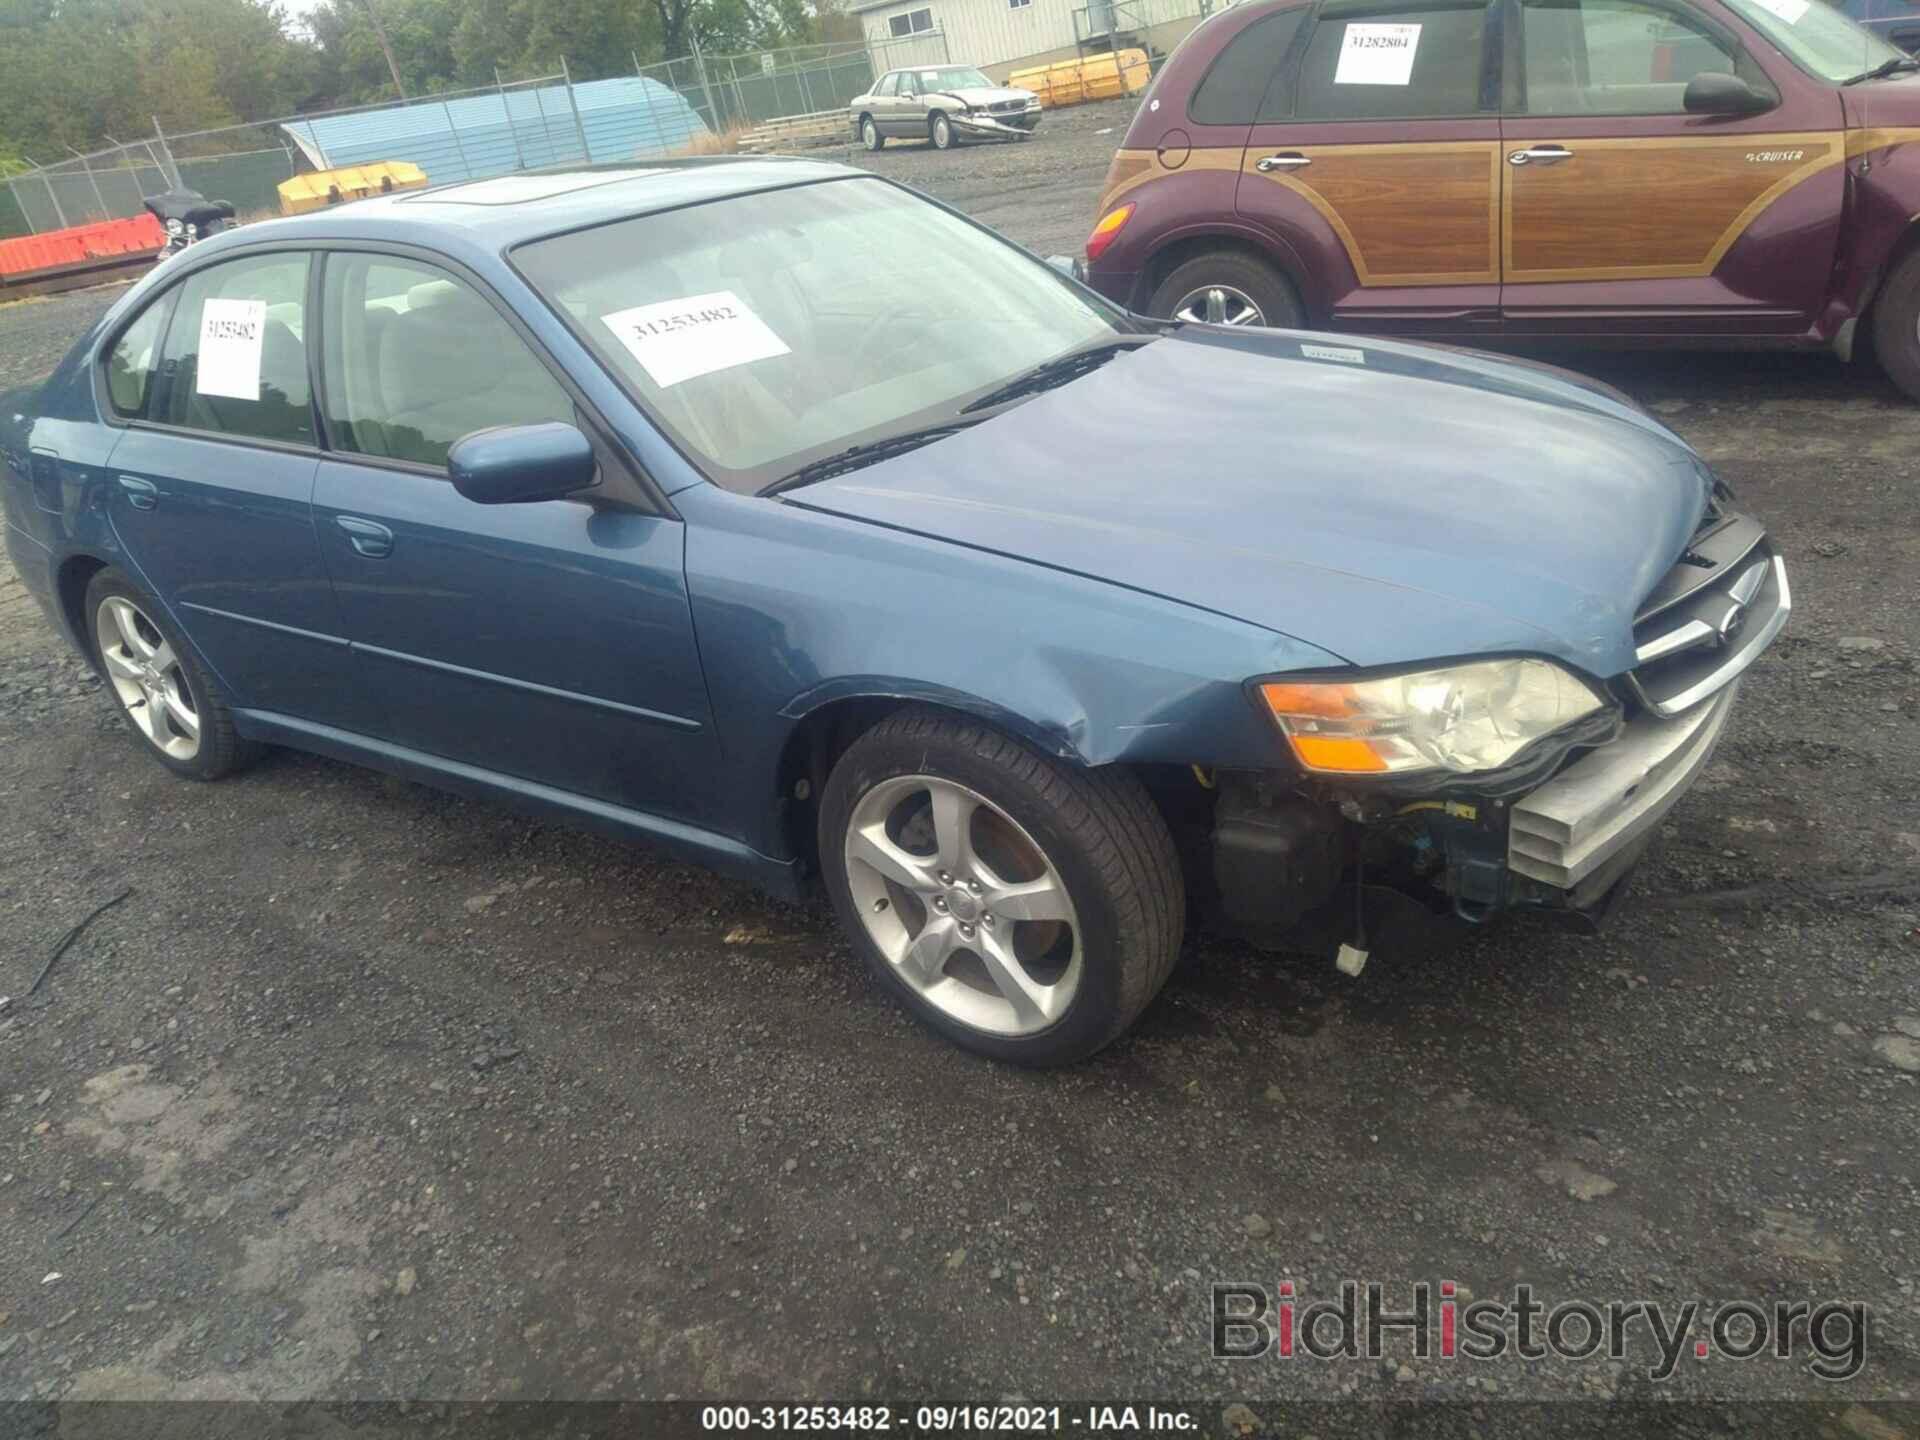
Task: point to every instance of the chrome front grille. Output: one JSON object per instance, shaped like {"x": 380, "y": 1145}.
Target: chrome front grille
{"x": 1710, "y": 616}
{"x": 1006, "y": 107}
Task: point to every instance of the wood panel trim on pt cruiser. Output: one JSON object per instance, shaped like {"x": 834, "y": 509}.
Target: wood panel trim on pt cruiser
{"x": 1363, "y": 199}
{"x": 1745, "y": 172}
{"x": 1372, "y": 177}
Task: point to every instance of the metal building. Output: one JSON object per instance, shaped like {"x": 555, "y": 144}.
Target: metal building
{"x": 494, "y": 133}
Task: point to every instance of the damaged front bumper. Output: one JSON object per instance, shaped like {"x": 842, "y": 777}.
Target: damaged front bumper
{"x": 1560, "y": 829}
{"x": 979, "y": 125}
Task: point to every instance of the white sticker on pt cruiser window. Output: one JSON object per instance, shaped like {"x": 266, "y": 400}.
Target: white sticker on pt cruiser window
{"x": 1339, "y": 353}
{"x": 1377, "y": 55}
{"x": 677, "y": 340}
{"x": 1788, "y": 10}
{"x": 231, "y": 332}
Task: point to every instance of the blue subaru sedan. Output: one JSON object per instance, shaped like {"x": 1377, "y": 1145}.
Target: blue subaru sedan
{"x": 779, "y": 516}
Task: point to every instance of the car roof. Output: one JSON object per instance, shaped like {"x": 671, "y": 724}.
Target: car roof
{"x": 498, "y": 213}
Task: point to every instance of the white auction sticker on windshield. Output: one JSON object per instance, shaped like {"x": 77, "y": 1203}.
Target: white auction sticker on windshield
{"x": 678, "y": 340}
{"x": 230, "y": 335}
{"x": 1377, "y": 55}
{"x": 1788, "y": 10}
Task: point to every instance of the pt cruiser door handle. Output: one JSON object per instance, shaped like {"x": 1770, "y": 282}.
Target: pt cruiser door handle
{"x": 371, "y": 540}
{"x": 1288, "y": 160}
{"x": 1540, "y": 155}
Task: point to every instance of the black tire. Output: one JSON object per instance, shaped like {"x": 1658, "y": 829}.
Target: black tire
{"x": 220, "y": 750}
{"x": 1896, "y": 326}
{"x": 1270, "y": 291}
{"x": 940, "y": 131}
{"x": 1098, "y": 829}
{"x": 870, "y": 135}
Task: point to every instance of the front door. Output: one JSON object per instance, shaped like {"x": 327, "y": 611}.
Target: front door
{"x": 213, "y": 481}
{"x": 1380, "y": 164}
{"x": 907, "y": 112}
{"x": 553, "y": 641}
{"x": 1626, "y": 214}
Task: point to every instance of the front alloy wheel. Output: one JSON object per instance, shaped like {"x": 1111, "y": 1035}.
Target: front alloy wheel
{"x": 963, "y": 905}
{"x": 1023, "y": 906}
{"x": 942, "y": 132}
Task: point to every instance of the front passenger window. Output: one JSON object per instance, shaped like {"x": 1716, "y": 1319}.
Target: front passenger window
{"x": 415, "y": 359}
{"x": 1614, "y": 57}
{"x": 235, "y": 361}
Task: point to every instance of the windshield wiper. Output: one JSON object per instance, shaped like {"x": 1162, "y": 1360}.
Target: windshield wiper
{"x": 1057, "y": 371}
{"x": 1884, "y": 69}
{"x": 873, "y": 451}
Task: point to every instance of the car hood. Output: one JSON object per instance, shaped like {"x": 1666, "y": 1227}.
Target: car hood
{"x": 980, "y": 96}
{"x": 1894, "y": 101}
{"x": 1388, "y": 503}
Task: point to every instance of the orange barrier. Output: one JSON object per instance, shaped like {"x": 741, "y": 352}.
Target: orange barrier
{"x": 80, "y": 243}
{"x": 1097, "y": 77}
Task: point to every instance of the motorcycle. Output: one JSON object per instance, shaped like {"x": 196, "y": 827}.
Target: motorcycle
{"x": 187, "y": 216}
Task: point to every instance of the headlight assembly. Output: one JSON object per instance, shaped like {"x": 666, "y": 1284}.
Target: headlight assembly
{"x": 1460, "y": 718}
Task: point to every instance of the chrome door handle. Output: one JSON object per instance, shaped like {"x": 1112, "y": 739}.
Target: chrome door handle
{"x": 141, "y": 494}
{"x": 1540, "y": 155}
{"x": 371, "y": 540}
{"x": 1287, "y": 160}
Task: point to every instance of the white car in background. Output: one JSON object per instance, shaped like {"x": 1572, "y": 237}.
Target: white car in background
{"x": 944, "y": 104}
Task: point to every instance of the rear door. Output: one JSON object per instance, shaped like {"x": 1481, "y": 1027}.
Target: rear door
{"x": 1624, "y": 213}
{"x": 1376, "y": 157}
{"x": 213, "y": 481}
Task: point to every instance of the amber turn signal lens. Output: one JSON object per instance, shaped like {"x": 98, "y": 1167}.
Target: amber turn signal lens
{"x": 1110, "y": 225}
{"x": 1332, "y": 752}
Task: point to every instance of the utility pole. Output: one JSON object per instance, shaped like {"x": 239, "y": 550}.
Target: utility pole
{"x": 380, "y": 32}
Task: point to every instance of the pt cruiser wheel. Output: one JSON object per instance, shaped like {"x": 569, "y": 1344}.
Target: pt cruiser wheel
{"x": 161, "y": 688}
{"x": 1227, "y": 287}
{"x": 1023, "y": 907}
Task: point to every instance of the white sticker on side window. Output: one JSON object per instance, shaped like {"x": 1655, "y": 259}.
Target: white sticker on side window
{"x": 677, "y": 340}
{"x": 230, "y": 336}
{"x": 1338, "y": 353}
{"x": 1788, "y": 10}
{"x": 1377, "y": 55}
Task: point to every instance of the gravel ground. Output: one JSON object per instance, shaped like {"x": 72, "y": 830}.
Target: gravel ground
{"x": 367, "y": 1091}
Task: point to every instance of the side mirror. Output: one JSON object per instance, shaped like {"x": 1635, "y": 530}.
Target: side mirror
{"x": 514, "y": 464}
{"x": 1714, "y": 92}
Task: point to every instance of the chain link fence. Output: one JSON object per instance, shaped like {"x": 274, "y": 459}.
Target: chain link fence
{"x": 665, "y": 108}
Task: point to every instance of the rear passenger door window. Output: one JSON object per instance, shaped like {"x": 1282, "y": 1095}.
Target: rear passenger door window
{"x": 1374, "y": 61}
{"x": 417, "y": 358}
{"x": 235, "y": 358}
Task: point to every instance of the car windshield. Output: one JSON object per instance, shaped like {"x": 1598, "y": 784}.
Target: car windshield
{"x": 953, "y": 77}
{"x": 767, "y": 330}
{"x": 1817, "y": 37}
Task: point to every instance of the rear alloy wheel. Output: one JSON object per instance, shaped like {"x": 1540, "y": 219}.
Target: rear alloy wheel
{"x": 942, "y": 131}
{"x": 165, "y": 694}
{"x": 1022, "y": 907}
{"x": 1227, "y": 287}
{"x": 870, "y": 135}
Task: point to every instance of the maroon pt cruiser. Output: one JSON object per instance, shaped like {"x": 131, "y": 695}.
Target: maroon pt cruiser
{"x": 1725, "y": 173}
